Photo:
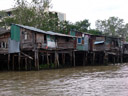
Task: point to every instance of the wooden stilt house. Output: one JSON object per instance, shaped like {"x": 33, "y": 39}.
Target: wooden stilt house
{"x": 33, "y": 43}
{"x": 4, "y": 36}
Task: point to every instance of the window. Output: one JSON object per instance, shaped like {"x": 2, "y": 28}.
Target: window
{"x": 52, "y": 38}
{"x": 3, "y": 45}
{"x": 79, "y": 40}
{"x": 25, "y": 36}
{"x": 45, "y": 39}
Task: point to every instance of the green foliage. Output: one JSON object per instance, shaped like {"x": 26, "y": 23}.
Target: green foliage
{"x": 82, "y": 26}
{"x": 94, "y": 32}
{"x": 46, "y": 66}
{"x": 33, "y": 14}
{"x": 113, "y": 26}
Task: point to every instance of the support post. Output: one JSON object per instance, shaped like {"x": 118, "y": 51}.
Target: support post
{"x": 56, "y": 59}
{"x": 25, "y": 63}
{"x": 74, "y": 63}
{"x": 114, "y": 59}
{"x": 47, "y": 59}
{"x": 121, "y": 57}
{"x": 19, "y": 60}
{"x": 63, "y": 58}
{"x": 8, "y": 61}
{"x": 84, "y": 59}
{"x": 93, "y": 60}
{"x": 36, "y": 60}
{"x": 13, "y": 62}
{"x": 70, "y": 58}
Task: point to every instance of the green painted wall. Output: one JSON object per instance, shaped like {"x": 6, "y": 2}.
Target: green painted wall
{"x": 15, "y": 33}
{"x": 72, "y": 33}
{"x": 80, "y": 47}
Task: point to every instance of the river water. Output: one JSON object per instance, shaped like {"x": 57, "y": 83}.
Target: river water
{"x": 109, "y": 80}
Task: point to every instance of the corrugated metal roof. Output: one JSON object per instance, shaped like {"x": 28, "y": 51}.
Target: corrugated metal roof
{"x": 3, "y": 31}
{"x": 44, "y": 32}
{"x": 98, "y": 42}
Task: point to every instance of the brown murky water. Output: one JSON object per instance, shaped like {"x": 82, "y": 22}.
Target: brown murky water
{"x": 81, "y": 81}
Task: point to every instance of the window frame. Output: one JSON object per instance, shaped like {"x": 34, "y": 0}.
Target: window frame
{"x": 78, "y": 40}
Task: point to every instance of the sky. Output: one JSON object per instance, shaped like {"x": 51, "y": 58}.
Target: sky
{"x": 77, "y": 10}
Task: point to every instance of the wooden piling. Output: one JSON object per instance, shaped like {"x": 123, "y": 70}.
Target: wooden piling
{"x": 56, "y": 61}
{"x": 63, "y": 59}
{"x": 70, "y": 58}
{"x": 84, "y": 59}
{"x": 13, "y": 62}
{"x": 113, "y": 59}
{"x": 93, "y": 59}
{"x": 36, "y": 60}
{"x": 47, "y": 59}
{"x": 74, "y": 59}
{"x": 25, "y": 63}
{"x": 8, "y": 61}
{"x": 19, "y": 60}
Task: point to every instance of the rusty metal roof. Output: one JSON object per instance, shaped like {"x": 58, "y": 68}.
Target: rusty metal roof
{"x": 44, "y": 32}
{"x": 3, "y": 31}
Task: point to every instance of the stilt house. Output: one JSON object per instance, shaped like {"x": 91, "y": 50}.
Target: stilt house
{"x": 4, "y": 36}
{"x": 88, "y": 42}
{"x": 35, "y": 44}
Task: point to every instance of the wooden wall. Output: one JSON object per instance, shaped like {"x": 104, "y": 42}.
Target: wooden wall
{"x": 27, "y": 42}
{"x": 4, "y": 39}
{"x": 97, "y": 47}
{"x": 65, "y": 43}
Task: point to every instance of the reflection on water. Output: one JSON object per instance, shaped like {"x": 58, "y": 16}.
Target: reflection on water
{"x": 81, "y": 81}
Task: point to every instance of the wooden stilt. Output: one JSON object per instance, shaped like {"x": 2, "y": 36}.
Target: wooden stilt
{"x": 29, "y": 63}
{"x": 25, "y": 63}
{"x": 121, "y": 57}
{"x": 113, "y": 59}
{"x": 93, "y": 60}
{"x": 63, "y": 59}
{"x": 13, "y": 62}
{"x": 74, "y": 63}
{"x": 48, "y": 60}
{"x": 19, "y": 60}
{"x": 35, "y": 57}
{"x": 56, "y": 59}
{"x": 105, "y": 61}
{"x": 55, "y": 63}
{"x": 84, "y": 59}
{"x": 118, "y": 57}
{"x": 70, "y": 58}
{"x": 8, "y": 61}
{"x": 58, "y": 64}
{"x": 37, "y": 60}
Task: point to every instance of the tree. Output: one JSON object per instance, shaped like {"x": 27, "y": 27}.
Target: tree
{"x": 33, "y": 14}
{"x": 94, "y": 32}
{"x": 113, "y": 26}
{"x": 82, "y": 26}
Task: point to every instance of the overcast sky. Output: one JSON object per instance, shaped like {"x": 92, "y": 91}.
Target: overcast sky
{"x": 77, "y": 10}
